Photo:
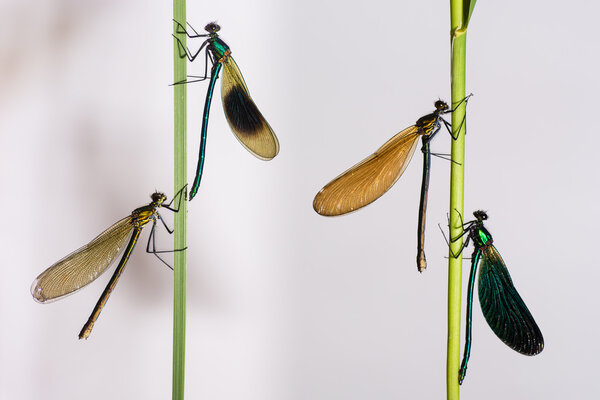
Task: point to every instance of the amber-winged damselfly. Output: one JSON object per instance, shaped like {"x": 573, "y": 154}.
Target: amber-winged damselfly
{"x": 366, "y": 181}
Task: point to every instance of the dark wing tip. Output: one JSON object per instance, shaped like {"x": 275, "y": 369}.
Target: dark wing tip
{"x": 243, "y": 115}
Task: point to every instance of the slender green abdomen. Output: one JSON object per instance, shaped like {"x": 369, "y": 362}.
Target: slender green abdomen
{"x": 202, "y": 152}
{"x": 469, "y": 325}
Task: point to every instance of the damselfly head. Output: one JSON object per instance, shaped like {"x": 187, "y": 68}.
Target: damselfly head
{"x": 480, "y": 215}
{"x": 441, "y": 105}
{"x": 158, "y": 197}
{"x": 212, "y": 27}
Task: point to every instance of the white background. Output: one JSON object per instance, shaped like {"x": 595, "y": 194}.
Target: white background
{"x": 284, "y": 303}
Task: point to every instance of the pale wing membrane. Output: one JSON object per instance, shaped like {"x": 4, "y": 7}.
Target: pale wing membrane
{"x": 368, "y": 180}
{"x": 83, "y": 265}
{"x": 244, "y": 118}
{"x": 503, "y": 308}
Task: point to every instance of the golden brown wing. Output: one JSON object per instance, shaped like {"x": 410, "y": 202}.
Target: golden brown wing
{"x": 368, "y": 180}
{"x": 83, "y": 265}
{"x": 245, "y": 120}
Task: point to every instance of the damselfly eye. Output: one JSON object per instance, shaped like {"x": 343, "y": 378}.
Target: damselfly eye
{"x": 480, "y": 215}
{"x": 212, "y": 27}
{"x": 158, "y": 197}
{"x": 441, "y": 105}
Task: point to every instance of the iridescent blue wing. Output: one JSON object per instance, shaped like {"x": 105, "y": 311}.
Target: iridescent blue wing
{"x": 503, "y": 308}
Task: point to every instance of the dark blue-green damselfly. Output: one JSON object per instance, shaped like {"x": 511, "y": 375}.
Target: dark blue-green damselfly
{"x": 244, "y": 118}
{"x": 502, "y": 306}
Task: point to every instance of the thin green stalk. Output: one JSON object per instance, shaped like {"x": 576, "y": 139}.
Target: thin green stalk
{"x": 458, "y": 21}
{"x": 180, "y": 159}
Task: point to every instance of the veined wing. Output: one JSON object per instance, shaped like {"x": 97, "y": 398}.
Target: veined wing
{"x": 83, "y": 265}
{"x": 245, "y": 119}
{"x": 503, "y": 308}
{"x": 369, "y": 179}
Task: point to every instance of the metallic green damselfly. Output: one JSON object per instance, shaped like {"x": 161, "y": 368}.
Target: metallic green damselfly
{"x": 244, "y": 118}
{"x": 502, "y": 306}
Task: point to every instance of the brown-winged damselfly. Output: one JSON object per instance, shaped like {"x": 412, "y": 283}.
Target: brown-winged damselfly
{"x": 366, "y": 181}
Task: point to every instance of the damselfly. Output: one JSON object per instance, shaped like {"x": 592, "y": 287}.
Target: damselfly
{"x": 502, "y": 306}
{"x": 372, "y": 177}
{"x": 244, "y": 118}
{"x": 84, "y": 265}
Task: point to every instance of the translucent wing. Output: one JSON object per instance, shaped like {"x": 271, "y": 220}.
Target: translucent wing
{"x": 245, "y": 120}
{"x": 369, "y": 179}
{"x": 503, "y": 308}
{"x": 83, "y": 265}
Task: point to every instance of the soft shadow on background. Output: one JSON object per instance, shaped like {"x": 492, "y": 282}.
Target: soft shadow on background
{"x": 283, "y": 303}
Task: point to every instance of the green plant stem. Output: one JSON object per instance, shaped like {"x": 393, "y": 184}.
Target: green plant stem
{"x": 180, "y": 225}
{"x": 458, "y": 76}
